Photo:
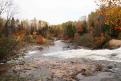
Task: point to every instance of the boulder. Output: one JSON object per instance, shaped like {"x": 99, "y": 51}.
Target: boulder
{"x": 114, "y": 43}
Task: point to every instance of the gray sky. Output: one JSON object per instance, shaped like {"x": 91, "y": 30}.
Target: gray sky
{"x": 54, "y": 11}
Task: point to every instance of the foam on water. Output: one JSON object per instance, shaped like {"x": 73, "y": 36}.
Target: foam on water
{"x": 57, "y": 51}
{"x": 104, "y": 54}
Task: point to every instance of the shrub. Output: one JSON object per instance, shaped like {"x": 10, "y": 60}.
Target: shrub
{"x": 7, "y": 47}
{"x": 86, "y": 40}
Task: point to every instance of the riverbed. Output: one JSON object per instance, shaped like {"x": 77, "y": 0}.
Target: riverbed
{"x": 61, "y": 62}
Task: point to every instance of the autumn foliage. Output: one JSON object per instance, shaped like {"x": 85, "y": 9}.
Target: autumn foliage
{"x": 39, "y": 39}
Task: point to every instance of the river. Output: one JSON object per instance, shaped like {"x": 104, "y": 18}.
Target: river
{"x": 61, "y": 50}
{"x": 61, "y": 59}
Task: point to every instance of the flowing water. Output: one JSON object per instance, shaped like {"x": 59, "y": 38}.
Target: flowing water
{"x": 60, "y": 50}
{"x": 39, "y": 51}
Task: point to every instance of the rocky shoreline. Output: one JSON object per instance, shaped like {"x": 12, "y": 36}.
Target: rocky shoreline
{"x": 45, "y": 69}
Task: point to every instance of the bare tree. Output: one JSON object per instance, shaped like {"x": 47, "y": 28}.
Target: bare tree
{"x": 108, "y": 2}
{"x": 4, "y": 5}
{"x": 8, "y": 9}
{"x": 11, "y": 11}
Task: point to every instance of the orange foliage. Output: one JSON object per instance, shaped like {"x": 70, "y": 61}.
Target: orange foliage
{"x": 19, "y": 35}
{"x": 39, "y": 39}
{"x": 117, "y": 28}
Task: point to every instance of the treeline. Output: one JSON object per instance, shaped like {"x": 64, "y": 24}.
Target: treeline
{"x": 101, "y": 26}
{"x": 14, "y": 34}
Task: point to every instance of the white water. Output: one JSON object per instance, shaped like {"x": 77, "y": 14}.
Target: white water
{"x": 110, "y": 55}
{"x": 58, "y": 52}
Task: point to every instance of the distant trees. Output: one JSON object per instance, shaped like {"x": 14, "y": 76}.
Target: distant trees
{"x": 81, "y": 27}
{"x": 73, "y": 30}
{"x": 69, "y": 29}
{"x": 56, "y": 31}
{"x": 33, "y": 25}
{"x": 42, "y": 28}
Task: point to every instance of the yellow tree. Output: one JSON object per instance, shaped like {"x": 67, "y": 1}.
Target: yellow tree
{"x": 111, "y": 10}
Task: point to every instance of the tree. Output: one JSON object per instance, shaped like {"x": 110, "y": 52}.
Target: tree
{"x": 111, "y": 11}
{"x": 7, "y": 8}
{"x": 108, "y": 2}
{"x": 4, "y": 6}
{"x": 69, "y": 29}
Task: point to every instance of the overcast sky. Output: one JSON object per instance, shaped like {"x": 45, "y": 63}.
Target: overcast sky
{"x": 54, "y": 11}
